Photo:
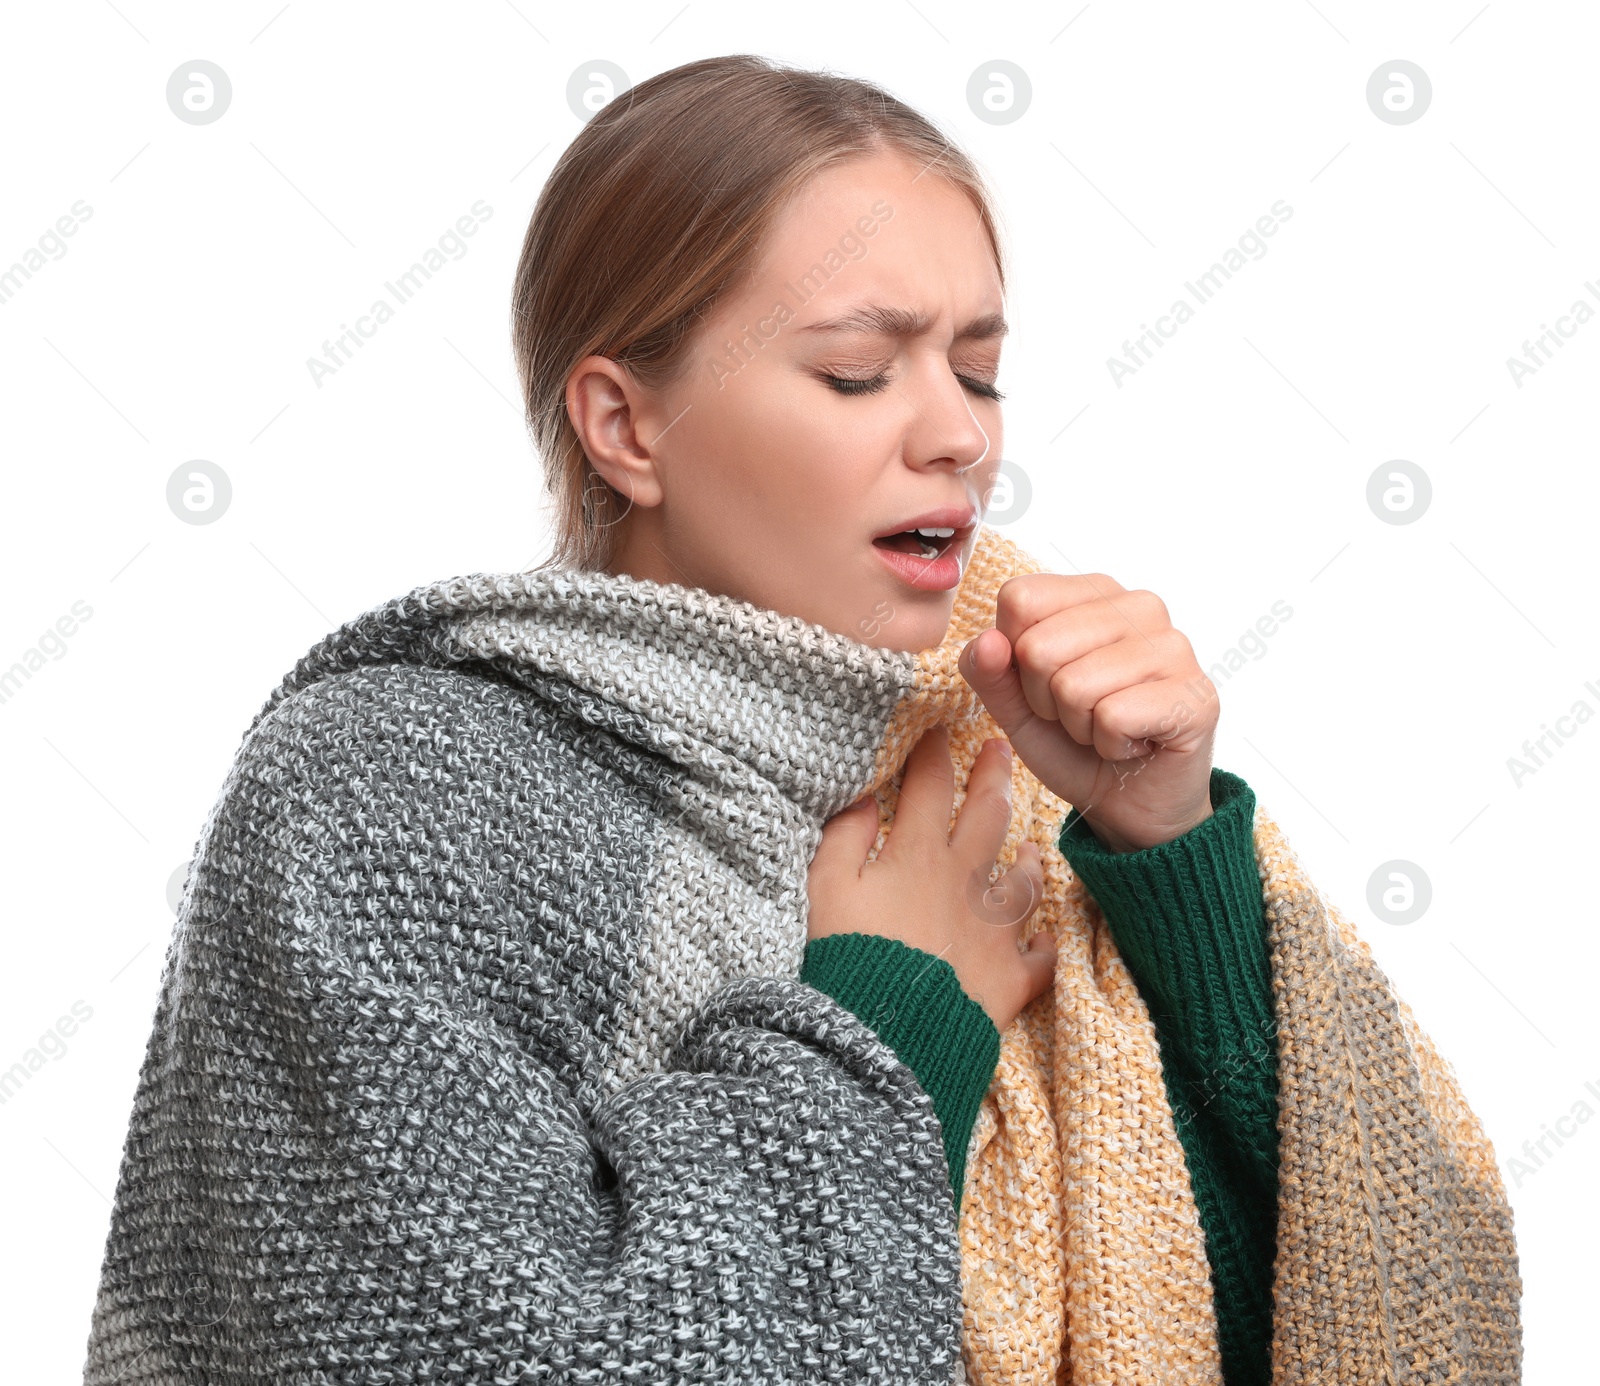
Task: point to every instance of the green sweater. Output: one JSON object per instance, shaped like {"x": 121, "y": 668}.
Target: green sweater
{"x": 1187, "y": 918}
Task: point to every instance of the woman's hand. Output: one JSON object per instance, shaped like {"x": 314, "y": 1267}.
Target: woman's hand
{"x": 1103, "y": 700}
{"x": 930, "y": 887}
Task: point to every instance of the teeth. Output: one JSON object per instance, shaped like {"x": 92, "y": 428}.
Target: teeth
{"x": 938, "y": 533}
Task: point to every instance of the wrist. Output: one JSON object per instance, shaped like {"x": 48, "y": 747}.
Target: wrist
{"x": 1126, "y": 838}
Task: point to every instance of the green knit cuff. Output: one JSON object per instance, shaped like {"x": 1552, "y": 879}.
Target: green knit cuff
{"x": 1188, "y": 919}
{"x": 915, "y": 1003}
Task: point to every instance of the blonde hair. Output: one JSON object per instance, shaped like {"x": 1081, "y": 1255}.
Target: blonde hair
{"x": 659, "y": 206}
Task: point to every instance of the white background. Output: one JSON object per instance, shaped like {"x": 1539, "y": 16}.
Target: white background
{"x": 1229, "y": 473}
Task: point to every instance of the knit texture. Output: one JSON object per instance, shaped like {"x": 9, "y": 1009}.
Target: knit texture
{"x": 1083, "y": 1253}
{"x": 481, "y": 1051}
{"x": 1187, "y": 918}
{"x": 914, "y": 1001}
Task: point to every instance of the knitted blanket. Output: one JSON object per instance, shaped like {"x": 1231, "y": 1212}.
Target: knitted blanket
{"x": 480, "y": 1053}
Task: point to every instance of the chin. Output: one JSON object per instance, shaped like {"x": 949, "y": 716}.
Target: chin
{"x": 912, "y": 623}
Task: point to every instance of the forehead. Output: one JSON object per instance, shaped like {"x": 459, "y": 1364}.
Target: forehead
{"x": 885, "y": 229}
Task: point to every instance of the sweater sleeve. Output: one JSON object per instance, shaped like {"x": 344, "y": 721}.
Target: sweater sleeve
{"x": 915, "y": 1003}
{"x": 1187, "y": 918}
{"x": 375, "y": 1141}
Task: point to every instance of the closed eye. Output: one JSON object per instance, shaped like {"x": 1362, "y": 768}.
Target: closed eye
{"x": 871, "y": 385}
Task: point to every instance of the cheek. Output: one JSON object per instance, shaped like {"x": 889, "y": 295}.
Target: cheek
{"x": 783, "y": 461}
{"x": 783, "y": 434}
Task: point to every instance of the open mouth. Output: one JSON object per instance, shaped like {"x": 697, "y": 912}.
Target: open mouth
{"x": 930, "y": 542}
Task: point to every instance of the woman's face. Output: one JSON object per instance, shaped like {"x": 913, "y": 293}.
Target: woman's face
{"x": 844, "y": 392}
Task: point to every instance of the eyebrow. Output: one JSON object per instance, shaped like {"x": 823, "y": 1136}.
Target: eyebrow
{"x": 905, "y": 322}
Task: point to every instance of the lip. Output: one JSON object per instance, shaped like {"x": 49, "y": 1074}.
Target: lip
{"x": 931, "y": 574}
{"x": 961, "y": 518}
{"x": 926, "y": 574}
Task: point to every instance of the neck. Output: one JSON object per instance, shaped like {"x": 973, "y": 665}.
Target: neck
{"x": 642, "y": 552}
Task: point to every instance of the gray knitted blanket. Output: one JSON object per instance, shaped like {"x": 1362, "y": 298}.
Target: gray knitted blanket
{"x": 479, "y": 1054}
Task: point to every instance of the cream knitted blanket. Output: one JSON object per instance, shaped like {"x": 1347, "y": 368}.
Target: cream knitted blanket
{"x": 1083, "y": 1258}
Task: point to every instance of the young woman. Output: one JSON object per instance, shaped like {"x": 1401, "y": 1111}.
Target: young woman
{"x": 679, "y": 964}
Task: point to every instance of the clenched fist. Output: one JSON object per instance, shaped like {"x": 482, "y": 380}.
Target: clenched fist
{"x": 1104, "y": 701}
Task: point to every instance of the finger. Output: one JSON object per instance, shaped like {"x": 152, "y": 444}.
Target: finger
{"x": 1077, "y": 687}
{"x": 1064, "y": 637}
{"x": 987, "y": 665}
{"x": 1005, "y": 904}
{"x": 847, "y": 837}
{"x": 1058, "y": 641}
{"x": 1039, "y": 964}
{"x": 1032, "y": 597}
{"x": 986, "y": 811}
{"x": 927, "y": 794}
{"x": 1028, "y": 874}
{"x": 1172, "y": 713}
{"x": 1028, "y": 859}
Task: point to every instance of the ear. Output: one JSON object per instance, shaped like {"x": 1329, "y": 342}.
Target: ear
{"x": 611, "y": 415}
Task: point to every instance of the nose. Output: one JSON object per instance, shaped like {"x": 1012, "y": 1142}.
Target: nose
{"x": 942, "y": 430}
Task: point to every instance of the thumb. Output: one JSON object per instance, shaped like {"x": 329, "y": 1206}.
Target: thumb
{"x": 1045, "y": 745}
{"x": 986, "y": 665}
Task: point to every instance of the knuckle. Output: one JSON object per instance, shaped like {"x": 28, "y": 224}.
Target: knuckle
{"x": 1020, "y": 589}
{"x": 996, "y": 797}
{"x": 1150, "y": 612}
{"x": 1010, "y": 602}
{"x": 1067, "y": 688}
{"x": 1179, "y": 644}
{"x": 1148, "y": 599}
{"x": 1025, "y": 648}
{"x": 1026, "y": 599}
